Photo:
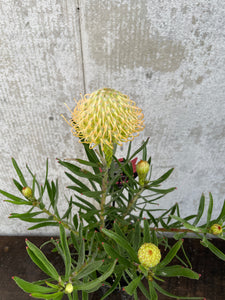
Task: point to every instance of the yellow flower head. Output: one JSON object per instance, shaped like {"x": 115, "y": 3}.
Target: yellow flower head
{"x": 106, "y": 117}
{"x": 149, "y": 255}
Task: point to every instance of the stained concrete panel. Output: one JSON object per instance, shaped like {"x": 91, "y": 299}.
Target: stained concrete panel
{"x": 41, "y": 69}
{"x": 168, "y": 56}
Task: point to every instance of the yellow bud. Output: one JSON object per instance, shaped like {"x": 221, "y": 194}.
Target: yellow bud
{"x": 27, "y": 192}
{"x": 142, "y": 169}
{"x": 216, "y": 229}
{"x": 149, "y": 255}
{"x": 69, "y": 288}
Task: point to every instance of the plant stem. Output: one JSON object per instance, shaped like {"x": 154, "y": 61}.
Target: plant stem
{"x": 104, "y": 193}
{"x": 55, "y": 218}
{"x": 133, "y": 201}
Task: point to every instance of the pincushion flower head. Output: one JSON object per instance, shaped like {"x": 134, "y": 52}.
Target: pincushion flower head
{"x": 149, "y": 255}
{"x": 106, "y": 117}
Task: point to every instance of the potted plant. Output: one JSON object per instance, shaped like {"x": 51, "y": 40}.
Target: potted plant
{"x": 116, "y": 236}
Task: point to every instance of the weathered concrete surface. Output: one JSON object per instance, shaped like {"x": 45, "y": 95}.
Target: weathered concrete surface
{"x": 168, "y": 56}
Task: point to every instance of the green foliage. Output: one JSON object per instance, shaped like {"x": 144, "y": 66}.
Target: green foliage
{"x": 99, "y": 241}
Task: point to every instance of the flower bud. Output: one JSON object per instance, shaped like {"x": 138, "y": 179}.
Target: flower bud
{"x": 149, "y": 255}
{"x": 142, "y": 169}
{"x": 27, "y": 192}
{"x": 69, "y": 288}
{"x": 216, "y": 229}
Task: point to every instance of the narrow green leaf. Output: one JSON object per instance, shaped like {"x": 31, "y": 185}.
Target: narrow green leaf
{"x": 92, "y": 194}
{"x": 139, "y": 149}
{"x": 23, "y": 202}
{"x": 19, "y": 173}
{"x": 137, "y": 236}
{"x": 92, "y": 284}
{"x": 31, "y": 287}
{"x": 222, "y": 214}
{"x": 147, "y": 236}
{"x": 11, "y": 196}
{"x": 153, "y": 293}
{"x": 132, "y": 286}
{"x": 77, "y": 181}
{"x": 189, "y": 226}
{"x": 214, "y": 249}
{"x": 66, "y": 252}
{"x": 18, "y": 185}
{"x": 174, "y": 271}
{"x": 88, "y": 163}
{"x": 41, "y": 260}
{"x": 89, "y": 268}
{"x": 173, "y": 251}
{"x": 118, "y": 273}
{"x": 122, "y": 242}
{"x": 160, "y": 191}
{"x": 128, "y": 150}
{"x": 161, "y": 179}
{"x": 200, "y": 210}
{"x": 210, "y": 209}
{"x": 115, "y": 255}
{"x": 91, "y": 155}
{"x": 81, "y": 172}
{"x": 44, "y": 224}
{"x": 47, "y": 296}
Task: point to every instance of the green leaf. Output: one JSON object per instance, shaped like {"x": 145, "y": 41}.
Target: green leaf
{"x": 162, "y": 178}
{"x": 91, "y": 155}
{"x": 115, "y": 255}
{"x": 189, "y": 226}
{"x": 137, "y": 236}
{"x": 210, "y": 209}
{"x": 89, "y": 268}
{"x": 162, "y": 291}
{"x": 147, "y": 236}
{"x": 200, "y": 210}
{"x": 78, "y": 182}
{"x": 41, "y": 260}
{"x": 66, "y": 252}
{"x": 15, "y": 198}
{"x": 31, "y": 287}
{"x": 173, "y": 271}
{"x": 91, "y": 194}
{"x": 118, "y": 273}
{"x": 160, "y": 191}
{"x": 153, "y": 294}
{"x": 92, "y": 284}
{"x": 48, "y": 296}
{"x": 222, "y": 214}
{"x": 214, "y": 249}
{"x": 18, "y": 185}
{"x": 81, "y": 252}
{"x": 44, "y": 224}
{"x": 88, "y": 163}
{"x": 122, "y": 242}
{"x": 139, "y": 149}
{"x": 173, "y": 251}
{"x": 81, "y": 172}
{"x": 132, "y": 286}
{"x": 19, "y": 173}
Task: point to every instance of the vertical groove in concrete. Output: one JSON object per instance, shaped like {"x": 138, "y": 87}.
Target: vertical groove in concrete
{"x": 81, "y": 44}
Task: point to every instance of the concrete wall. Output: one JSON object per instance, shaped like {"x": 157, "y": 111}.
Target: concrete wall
{"x": 168, "y": 56}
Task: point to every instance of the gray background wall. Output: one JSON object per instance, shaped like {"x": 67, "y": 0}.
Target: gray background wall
{"x": 168, "y": 56}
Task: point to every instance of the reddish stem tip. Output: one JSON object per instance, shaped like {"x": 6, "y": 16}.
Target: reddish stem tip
{"x": 13, "y": 277}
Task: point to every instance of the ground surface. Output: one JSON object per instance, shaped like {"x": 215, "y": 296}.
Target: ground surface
{"x": 14, "y": 260}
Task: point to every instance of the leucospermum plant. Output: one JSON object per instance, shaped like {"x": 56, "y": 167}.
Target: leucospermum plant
{"x": 115, "y": 238}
